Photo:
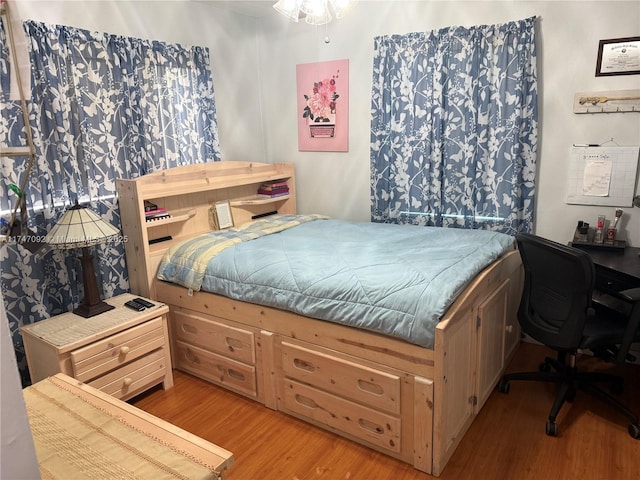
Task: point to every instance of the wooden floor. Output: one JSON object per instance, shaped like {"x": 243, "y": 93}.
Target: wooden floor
{"x": 506, "y": 441}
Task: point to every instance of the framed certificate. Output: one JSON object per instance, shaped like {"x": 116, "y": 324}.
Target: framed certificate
{"x": 618, "y": 56}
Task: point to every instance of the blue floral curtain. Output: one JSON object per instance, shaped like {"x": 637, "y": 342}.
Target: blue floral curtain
{"x": 103, "y": 107}
{"x": 454, "y": 127}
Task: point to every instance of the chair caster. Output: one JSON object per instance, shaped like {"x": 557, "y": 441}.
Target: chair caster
{"x": 544, "y": 367}
{"x": 634, "y": 431}
{"x": 503, "y": 386}
{"x": 552, "y": 428}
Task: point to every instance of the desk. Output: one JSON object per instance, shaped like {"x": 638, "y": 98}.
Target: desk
{"x": 616, "y": 270}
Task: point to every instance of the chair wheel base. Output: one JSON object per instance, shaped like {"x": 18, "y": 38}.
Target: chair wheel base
{"x": 552, "y": 428}
{"x": 634, "y": 431}
{"x": 503, "y": 386}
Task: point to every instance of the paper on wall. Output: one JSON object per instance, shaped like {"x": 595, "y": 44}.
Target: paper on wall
{"x": 597, "y": 178}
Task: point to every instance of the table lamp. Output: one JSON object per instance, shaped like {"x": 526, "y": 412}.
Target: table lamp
{"x": 80, "y": 227}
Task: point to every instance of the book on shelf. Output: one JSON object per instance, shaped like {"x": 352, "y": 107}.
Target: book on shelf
{"x": 148, "y": 206}
{"x": 262, "y": 194}
{"x": 273, "y": 189}
{"x": 155, "y": 211}
{"x": 275, "y": 186}
{"x": 275, "y": 183}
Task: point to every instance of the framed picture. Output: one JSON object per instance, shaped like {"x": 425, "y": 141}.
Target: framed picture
{"x": 618, "y": 56}
{"x": 323, "y": 106}
{"x": 221, "y": 216}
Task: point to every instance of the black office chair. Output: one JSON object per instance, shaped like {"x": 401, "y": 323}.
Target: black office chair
{"x": 557, "y": 310}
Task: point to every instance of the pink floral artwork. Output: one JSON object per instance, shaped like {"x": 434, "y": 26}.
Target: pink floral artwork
{"x": 323, "y": 106}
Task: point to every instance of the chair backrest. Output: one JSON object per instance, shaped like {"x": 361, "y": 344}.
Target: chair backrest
{"x": 558, "y": 286}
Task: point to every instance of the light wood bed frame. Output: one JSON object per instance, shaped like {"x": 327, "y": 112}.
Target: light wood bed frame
{"x": 406, "y": 401}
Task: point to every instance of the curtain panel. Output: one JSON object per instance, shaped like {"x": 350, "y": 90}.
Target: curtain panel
{"x": 454, "y": 127}
{"x": 103, "y": 107}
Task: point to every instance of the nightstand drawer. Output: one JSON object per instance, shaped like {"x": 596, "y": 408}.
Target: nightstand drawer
{"x": 110, "y": 353}
{"x": 134, "y": 376}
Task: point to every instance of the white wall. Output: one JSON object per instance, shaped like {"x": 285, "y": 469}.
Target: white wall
{"x": 254, "y": 59}
{"x": 568, "y": 34}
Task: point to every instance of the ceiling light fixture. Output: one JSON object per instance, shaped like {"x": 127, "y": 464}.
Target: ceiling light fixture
{"x": 314, "y": 12}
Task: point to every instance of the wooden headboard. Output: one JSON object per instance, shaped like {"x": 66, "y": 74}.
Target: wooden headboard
{"x": 187, "y": 194}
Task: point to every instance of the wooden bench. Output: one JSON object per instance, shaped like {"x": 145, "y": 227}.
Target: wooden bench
{"x": 81, "y": 432}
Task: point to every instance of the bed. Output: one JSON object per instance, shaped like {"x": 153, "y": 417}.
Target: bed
{"x": 398, "y": 377}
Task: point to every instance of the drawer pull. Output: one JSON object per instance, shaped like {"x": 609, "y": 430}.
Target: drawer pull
{"x": 189, "y": 328}
{"x": 191, "y": 357}
{"x": 304, "y": 365}
{"x": 233, "y": 343}
{"x": 306, "y": 401}
{"x": 372, "y": 427}
{"x": 370, "y": 387}
{"x": 235, "y": 374}
{"x": 127, "y": 381}
{"x": 124, "y": 350}
{"x": 509, "y": 328}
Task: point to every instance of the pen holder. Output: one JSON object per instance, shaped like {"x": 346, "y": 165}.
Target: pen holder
{"x": 582, "y": 232}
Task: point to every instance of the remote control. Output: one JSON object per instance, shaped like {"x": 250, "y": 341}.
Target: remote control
{"x": 144, "y": 302}
{"x": 134, "y": 305}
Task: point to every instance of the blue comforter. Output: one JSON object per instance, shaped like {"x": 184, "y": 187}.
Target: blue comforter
{"x": 393, "y": 279}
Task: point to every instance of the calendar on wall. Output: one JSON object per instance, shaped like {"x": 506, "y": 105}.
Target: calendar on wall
{"x": 602, "y": 175}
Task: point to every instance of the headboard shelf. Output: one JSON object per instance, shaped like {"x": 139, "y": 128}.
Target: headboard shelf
{"x": 175, "y": 217}
{"x": 204, "y": 177}
{"x": 187, "y": 194}
{"x": 257, "y": 200}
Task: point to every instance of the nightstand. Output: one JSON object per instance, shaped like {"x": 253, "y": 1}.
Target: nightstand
{"x": 122, "y": 352}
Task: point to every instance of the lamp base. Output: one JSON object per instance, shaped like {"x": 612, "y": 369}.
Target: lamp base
{"x": 91, "y": 304}
{"x": 87, "y": 311}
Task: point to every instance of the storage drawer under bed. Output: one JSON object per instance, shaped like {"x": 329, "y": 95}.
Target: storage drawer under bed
{"x": 231, "y": 342}
{"x": 215, "y": 368}
{"x": 365, "y": 423}
{"x": 367, "y": 386}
